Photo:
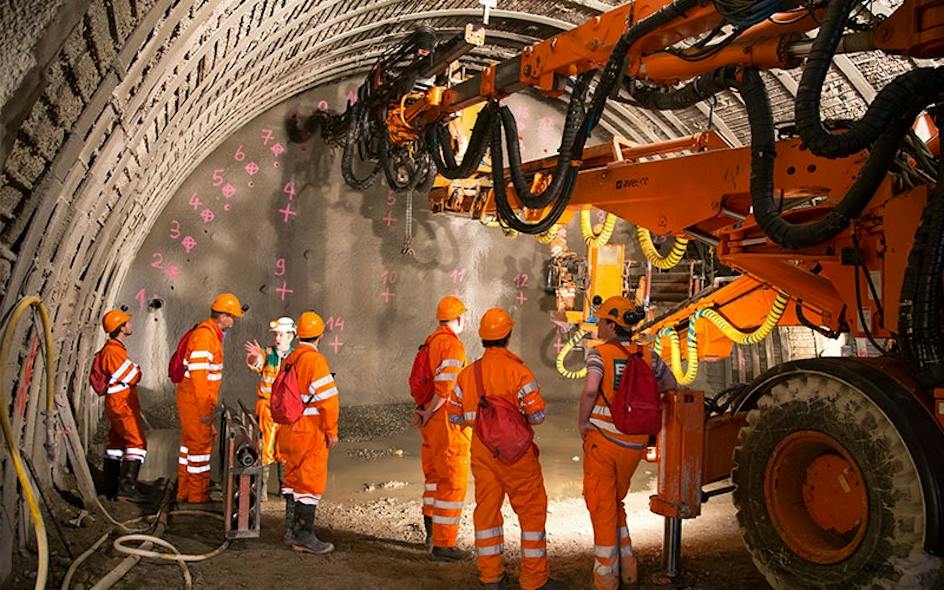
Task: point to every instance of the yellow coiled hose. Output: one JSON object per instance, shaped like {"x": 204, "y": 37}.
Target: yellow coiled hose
{"x": 592, "y": 239}
{"x": 571, "y": 343}
{"x": 548, "y": 236}
{"x": 42, "y": 544}
{"x": 652, "y": 255}
{"x": 691, "y": 354}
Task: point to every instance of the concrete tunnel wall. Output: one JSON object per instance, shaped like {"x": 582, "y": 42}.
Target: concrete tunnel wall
{"x": 275, "y": 223}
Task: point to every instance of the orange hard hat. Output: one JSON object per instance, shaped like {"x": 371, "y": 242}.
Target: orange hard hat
{"x": 114, "y": 320}
{"x": 449, "y": 308}
{"x": 620, "y": 310}
{"x": 228, "y": 303}
{"x": 495, "y": 324}
{"x": 310, "y": 325}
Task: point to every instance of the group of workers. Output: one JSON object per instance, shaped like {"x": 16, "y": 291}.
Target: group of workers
{"x": 451, "y": 442}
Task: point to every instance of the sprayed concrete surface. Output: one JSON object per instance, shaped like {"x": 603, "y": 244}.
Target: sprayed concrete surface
{"x": 371, "y": 511}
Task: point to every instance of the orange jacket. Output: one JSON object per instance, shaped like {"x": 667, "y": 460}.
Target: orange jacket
{"x": 314, "y": 375}
{"x": 608, "y": 360}
{"x": 123, "y": 374}
{"x": 503, "y": 375}
{"x": 446, "y": 359}
{"x": 204, "y": 362}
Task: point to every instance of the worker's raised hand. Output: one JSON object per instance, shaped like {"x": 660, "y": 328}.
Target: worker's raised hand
{"x": 332, "y": 441}
{"x": 254, "y": 352}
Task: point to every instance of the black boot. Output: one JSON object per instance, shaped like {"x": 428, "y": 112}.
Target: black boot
{"x": 305, "y": 539}
{"x": 450, "y": 554}
{"x": 552, "y": 584}
{"x": 289, "y": 537}
{"x": 428, "y": 525}
{"x": 111, "y": 469}
{"x": 501, "y": 584}
{"x": 128, "y": 483}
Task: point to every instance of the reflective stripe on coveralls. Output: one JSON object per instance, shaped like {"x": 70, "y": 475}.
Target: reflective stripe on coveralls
{"x": 303, "y": 445}
{"x": 506, "y": 376}
{"x": 197, "y": 395}
{"x": 122, "y": 408}
{"x": 445, "y": 449}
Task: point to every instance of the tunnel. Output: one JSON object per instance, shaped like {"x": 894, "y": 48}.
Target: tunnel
{"x": 149, "y": 160}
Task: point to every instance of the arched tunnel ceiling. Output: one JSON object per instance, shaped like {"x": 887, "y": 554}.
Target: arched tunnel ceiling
{"x": 109, "y": 105}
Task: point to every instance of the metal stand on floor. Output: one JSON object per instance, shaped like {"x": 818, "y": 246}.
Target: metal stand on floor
{"x": 672, "y": 548}
{"x": 242, "y": 475}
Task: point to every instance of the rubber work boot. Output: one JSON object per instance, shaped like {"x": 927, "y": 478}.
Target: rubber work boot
{"x": 128, "y": 483}
{"x": 305, "y": 539}
{"x": 450, "y": 554}
{"x": 289, "y": 537}
{"x": 111, "y": 470}
{"x": 501, "y": 584}
{"x": 629, "y": 570}
{"x": 428, "y": 525}
{"x": 553, "y": 585}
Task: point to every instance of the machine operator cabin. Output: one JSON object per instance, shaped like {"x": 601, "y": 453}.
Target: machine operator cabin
{"x": 429, "y": 295}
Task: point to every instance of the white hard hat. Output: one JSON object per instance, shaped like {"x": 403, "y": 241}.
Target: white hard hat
{"x": 283, "y": 324}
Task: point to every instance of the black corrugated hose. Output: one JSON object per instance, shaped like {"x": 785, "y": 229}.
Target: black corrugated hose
{"x": 355, "y": 133}
{"x": 921, "y": 307}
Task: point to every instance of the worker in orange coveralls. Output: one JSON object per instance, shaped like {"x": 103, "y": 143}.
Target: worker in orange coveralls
{"x": 505, "y": 375}
{"x": 610, "y": 456}
{"x": 127, "y": 446}
{"x": 197, "y": 397}
{"x": 266, "y": 362}
{"x": 304, "y": 445}
{"x": 445, "y": 450}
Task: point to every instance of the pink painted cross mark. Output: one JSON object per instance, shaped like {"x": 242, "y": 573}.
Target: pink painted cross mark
{"x": 284, "y": 290}
{"x": 228, "y": 190}
{"x": 287, "y": 212}
{"x": 188, "y": 243}
{"x": 558, "y": 345}
{"x": 387, "y": 294}
{"x": 336, "y": 344}
{"x": 171, "y": 271}
{"x": 389, "y": 218}
{"x": 277, "y": 149}
{"x": 521, "y": 298}
{"x": 207, "y": 215}
{"x": 252, "y": 168}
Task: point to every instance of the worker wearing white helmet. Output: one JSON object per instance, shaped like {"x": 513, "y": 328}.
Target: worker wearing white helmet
{"x": 267, "y": 362}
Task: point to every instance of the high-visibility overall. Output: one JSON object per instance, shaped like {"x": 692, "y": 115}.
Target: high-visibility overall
{"x": 126, "y": 436}
{"x": 445, "y": 450}
{"x": 196, "y": 399}
{"x": 610, "y": 459}
{"x": 303, "y": 445}
{"x": 505, "y": 375}
{"x": 268, "y": 368}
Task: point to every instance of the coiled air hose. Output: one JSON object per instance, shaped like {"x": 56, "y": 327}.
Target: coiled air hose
{"x": 562, "y": 355}
{"x": 729, "y": 330}
{"x": 548, "y": 236}
{"x": 652, "y": 255}
{"x": 39, "y": 525}
{"x": 593, "y": 239}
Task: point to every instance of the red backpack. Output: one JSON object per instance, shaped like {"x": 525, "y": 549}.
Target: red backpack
{"x": 176, "y": 369}
{"x": 421, "y": 376}
{"x": 286, "y": 402}
{"x": 98, "y": 378}
{"x": 637, "y": 405}
{"x": 500, "y": 425}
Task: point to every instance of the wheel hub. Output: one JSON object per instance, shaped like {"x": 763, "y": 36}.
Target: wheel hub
{"x": 816, "y": 497}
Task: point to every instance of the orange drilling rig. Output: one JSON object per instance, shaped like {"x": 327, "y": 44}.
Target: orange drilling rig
{"x": 834, "y": 464}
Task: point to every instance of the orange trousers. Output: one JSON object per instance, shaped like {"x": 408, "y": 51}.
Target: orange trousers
{"x": 303, "y": 449}
{"x": 607, "y": 471}
{"x": 126, "y": 435}
{"x": 196, "y": 445}
{"x": 445, "y": 457}
{"x": 268, "y": 428}
{"x": 523, "y": 483}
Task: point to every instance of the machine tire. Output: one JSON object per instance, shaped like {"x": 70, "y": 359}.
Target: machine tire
{"x": 890, "y": 554}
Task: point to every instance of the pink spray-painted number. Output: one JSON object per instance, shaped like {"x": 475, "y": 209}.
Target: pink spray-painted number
{"x": 217, "y": 177}
{"x": 289, "y": 189}
{"x": 335, "y": 323}
{"x": 279, "y": 267}
{"x": 391, "y": 199}
{"x": 389, "y": 277}
{"x": 174, "y": 229}
{"x": 157, "y": 260}
{"x": 458, "y": 276}
{"x": 266, "y": 136}
{"x": 521, "y": 280}
{"x": 195, "y": 202}
{"x": 240, "y": 155}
